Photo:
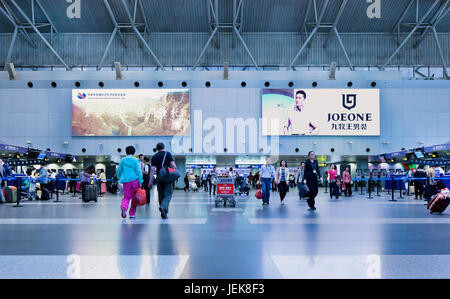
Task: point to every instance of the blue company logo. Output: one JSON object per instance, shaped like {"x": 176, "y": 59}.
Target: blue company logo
{"x": 81, "y": 96}
{"x": 349, "y": 101}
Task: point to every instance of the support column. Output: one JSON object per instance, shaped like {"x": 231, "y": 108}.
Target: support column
{"x": 181, "y": 165}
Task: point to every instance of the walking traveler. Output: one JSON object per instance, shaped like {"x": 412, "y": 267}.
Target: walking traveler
{"x": 312, "y": 173}
{"x": 162, "y": 160}
{"x": 267, "y": 172}
{"x": 282, "y": 177}
{"x": 129, "y": 173}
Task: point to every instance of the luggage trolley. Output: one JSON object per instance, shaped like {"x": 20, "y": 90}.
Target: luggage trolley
{"x": 225, "y": 191}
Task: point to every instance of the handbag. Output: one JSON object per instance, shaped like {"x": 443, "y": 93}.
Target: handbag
{"x": 140, "y": 197}
{"x": 258, "y": 194}
{"x": 302, "y": 190}
{"x": 166, "y": 174}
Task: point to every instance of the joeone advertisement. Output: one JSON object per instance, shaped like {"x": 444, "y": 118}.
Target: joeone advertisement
{"x": 321, "y": 112}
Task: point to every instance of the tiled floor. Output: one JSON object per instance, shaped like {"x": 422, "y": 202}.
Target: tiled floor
{"x": 349, "y": 238}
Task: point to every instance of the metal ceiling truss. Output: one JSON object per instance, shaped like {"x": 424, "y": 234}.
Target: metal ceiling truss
{"x": 438, "y": 16}
{"x": 441, "y": 8}
{"x": 235, "y": 26}
{"x": 442, "y": 11}
{"x": 16, "y": 22}
{"x": 30, "y": 23}
{"x": 308, "y": 10}
{"x": 133, "y": 25}
{"x": 313, "y": 32}
{"x": 338, "y": 36}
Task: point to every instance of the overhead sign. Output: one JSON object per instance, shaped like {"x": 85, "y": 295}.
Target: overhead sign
{"x": 436, "y": 148}
{"x": 328, "y": 112}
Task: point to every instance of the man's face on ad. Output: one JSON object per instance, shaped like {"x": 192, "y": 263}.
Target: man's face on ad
{"x": 300, "y": 100}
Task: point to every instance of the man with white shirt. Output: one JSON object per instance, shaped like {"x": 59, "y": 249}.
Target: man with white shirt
{"x": 267, "y": 173}
{"x": 298, "y": 119}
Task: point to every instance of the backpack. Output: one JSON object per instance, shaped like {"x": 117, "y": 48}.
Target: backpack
{"x": 166, "y": 174}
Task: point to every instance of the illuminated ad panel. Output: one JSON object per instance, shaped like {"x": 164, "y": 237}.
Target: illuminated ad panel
{"x": 326, "y": 112}
{"x": 130, "y": 112}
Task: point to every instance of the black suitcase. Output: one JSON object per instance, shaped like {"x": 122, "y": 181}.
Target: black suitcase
{"x": 90, "y": 193}
{"x": 45, "y": 194}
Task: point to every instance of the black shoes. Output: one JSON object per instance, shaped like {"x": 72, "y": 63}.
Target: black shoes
{"x": 163, "y": 213}
{"x": 312, "y": 209}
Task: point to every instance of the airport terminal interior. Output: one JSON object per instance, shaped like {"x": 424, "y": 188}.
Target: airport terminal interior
{"x": 224, "y": 139}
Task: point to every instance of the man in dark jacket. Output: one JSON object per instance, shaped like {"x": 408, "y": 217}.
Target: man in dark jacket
{"x": 165, "y": 189}
{"x": 312, "y": 173}
{"x": 420, "y": 177}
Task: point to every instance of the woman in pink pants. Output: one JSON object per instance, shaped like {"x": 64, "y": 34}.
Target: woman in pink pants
{"x": 130, "y": 175}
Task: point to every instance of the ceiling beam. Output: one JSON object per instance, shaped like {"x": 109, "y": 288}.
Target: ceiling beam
{"x": 46, "y": 15}
{"x": 410, "y": 34}
{"x": 336, "y": 21}
{"x": 16, "y": 22}
{"x": 308, "y": 10}
{"x": 11, "y": 46}
{"x": 39, "y": 33}
{"x": 437, "y": 17}
{"x": 147, "y": 26}
{"x": 144, "y": 42}
{"x": 311, "y": 35}
{"x": 411, "y": 2}
{"x": 114, "y": 21}
{"x": 204, "y": 48}
{"x": 441, "y": 54}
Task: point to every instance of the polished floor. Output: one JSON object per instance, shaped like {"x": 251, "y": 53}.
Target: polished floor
{"x": 352, "y": 237}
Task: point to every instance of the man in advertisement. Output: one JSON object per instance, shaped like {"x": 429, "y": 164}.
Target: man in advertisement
{"x": 298, "y": 119}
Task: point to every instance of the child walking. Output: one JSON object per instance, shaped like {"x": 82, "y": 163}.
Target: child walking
{"x": 130, "y": 175}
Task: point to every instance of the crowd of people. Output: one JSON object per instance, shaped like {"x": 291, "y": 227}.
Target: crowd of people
{"x": 133, "y": 173}
{"x": 268, "y": 179}
{"x": 46, "y": 182}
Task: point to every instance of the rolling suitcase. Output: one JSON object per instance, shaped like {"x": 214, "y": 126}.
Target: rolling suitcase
{"x": 440, "y": 202}
{"x": 90, "y": 193}
{"x": 45, "y": 194}
{"x": 11, "y": 194}
{"x": 102, "y": 188}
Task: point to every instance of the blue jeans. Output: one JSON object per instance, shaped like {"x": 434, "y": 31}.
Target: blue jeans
{"x": 165, "y": 191}
{"x": 266, "y": 184}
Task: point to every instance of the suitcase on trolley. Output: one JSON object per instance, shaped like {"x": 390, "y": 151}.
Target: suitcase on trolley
{"x": 440, "y": 201}
{"x": 90, "y": 193}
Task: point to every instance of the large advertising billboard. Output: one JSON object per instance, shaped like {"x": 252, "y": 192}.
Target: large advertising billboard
{"x": 326, "y": 112}
{"x": 130, "y": 112}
